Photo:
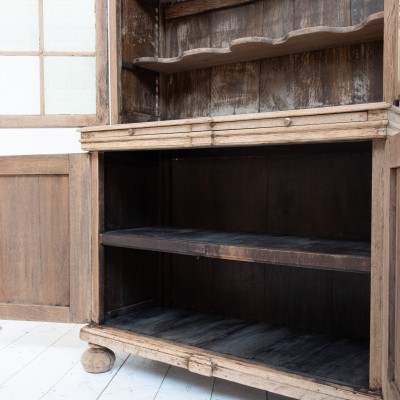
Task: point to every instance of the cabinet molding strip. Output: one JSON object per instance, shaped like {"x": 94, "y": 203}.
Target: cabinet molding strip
{"x": 355, "y": 122}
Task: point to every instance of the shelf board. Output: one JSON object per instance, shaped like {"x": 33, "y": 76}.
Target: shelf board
{"x": 335, "y": 255}
{"x": 254, "y": 48}
{"x": 209, "y": 344}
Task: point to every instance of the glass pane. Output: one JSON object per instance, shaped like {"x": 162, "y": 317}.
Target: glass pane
{"x": 69, "y": 25}
{"x": 70, "y": 85}
{"x": 19, "y": 85}
{"x": 19, "y": 25}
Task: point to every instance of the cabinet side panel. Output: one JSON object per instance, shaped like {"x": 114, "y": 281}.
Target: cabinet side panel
{"x": 131, "y": 277}
{"x": 138, "y": 39}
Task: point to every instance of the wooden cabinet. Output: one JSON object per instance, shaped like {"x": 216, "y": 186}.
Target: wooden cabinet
{"x": 244, "y": 205}
{"x": 235, "y": 200}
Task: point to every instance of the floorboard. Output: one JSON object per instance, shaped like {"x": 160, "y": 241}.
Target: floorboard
{"x": 27, "y": 348}
{"x": 41, "y": 361}
{"x": 183, "y": 385}
{"x": 11, "y": 331}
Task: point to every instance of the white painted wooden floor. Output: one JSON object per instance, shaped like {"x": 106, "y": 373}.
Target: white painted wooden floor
{"x": 40, "y": 360}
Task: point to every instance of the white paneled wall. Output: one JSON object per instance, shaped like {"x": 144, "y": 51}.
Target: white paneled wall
{"x": 39, "y": 141}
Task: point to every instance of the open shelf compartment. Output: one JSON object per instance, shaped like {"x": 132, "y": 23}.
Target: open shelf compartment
{"x": 262, "y": 354}
{"x": 207, "y": 253}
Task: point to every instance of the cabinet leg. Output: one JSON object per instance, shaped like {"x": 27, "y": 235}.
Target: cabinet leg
{"x": 97, "y": 359}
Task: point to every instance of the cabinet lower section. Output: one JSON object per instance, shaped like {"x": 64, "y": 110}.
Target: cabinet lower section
{"x": 285, "y": 361}
{"x": 247, "y": 264}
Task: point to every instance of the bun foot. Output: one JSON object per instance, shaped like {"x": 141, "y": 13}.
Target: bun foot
{"x": 97, "y": 359}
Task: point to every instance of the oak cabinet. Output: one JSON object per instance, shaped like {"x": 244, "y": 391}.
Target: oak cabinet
{"x": 243, "y": 211}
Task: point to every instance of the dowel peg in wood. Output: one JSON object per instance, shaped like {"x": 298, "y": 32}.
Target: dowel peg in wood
{"x": 287, "y": 121}
{"x": 97, "y": 359}
{"x": 131, "y": 132}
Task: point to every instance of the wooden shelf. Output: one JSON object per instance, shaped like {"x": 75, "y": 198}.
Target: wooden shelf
{"x": 207, "y": 343}
{"x": 324, "y": 124}
{"x": 272, "y": 249}
{"x": 254, "y": 48}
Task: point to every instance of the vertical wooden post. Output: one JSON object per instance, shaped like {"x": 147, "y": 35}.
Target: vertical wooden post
{"x": 377, "y": 253}
{"x": 115, "y": 59}
{"x": 390, "y": 52}
{"x": 97, "y": 227}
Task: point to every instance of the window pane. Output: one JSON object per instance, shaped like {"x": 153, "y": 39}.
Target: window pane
{"x": 70, "y": 85}
{"x": 19, "y": 25}
{"x": 19, "y": 85}
{"x": 69, "y": 25}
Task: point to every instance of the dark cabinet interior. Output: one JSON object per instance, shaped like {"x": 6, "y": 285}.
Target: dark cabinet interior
{"x": 315, "y": 196}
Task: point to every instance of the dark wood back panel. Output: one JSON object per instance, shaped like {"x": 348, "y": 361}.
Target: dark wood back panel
{"x": 269, "y": 18}
{"x": 323, "y": 301}
{"x": 224, "y": 193}
{"x": 307, "y": 190}
{"x": 131, "y": 189}
{"x": 321, "y": 194}
{"x": 331, "y": 77}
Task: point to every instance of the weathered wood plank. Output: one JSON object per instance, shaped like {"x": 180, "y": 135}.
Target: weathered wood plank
{"x": 367, "y": 64}
{"x": 80, "y": 237}
{"x": 29, "y": 312}
{"x": 277, "y": 84}
{"x": 278, "y": 18}
{"x": 235, "y": 89}
{"x": 138, "y": 38}
{"x": 188, "y": 94}
{"x": 34, "y": 165}
{"x": 361, "y": 9}
{"x": 377, "y": 255}
{"x": 313, "y": 253}
{"x": 191, "y": 7}
{"x": 239, "y": 22}
{"x": 308, "y": 13}
{"x": 35, "y": 240}
{"x": 186, "y": 34}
